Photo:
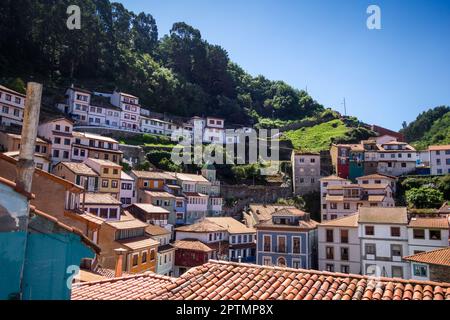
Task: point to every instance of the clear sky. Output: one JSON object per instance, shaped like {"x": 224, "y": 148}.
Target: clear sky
{"x": 387, "y": 76}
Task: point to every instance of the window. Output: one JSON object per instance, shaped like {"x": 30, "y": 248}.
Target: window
{"x": 267, "y": 261}
{"x": 329, "y": 235}
{"x": 67, "y": 142}
{"x": 55, "y": 153}
{"x": 329, "y": 251}
{"x": 296, "y": 264}
{"x": 420, "y": 270}
{"x": 395, "y": 232}
{"x": 281, "y": 262}
{"x": 113, "y": 214}
{"x": 135, "y": 259}
{"x": 345, "y": 269}
{"x": 397, "y": 272}
{"x": 435, "y": 235}
{"x": 346, "y": 206}
{"x": 371, "y": 248}
{"x": 329, "y": 267}
{"x": 105, "y": 183}
{"x": 333, "y": 205}
{"x": 344, "y": 254}
{"x": 5, "y": 109}
{"x": 104, "y": 213}
{"x": 57, "y": 140}
{"x": 370, "y": 230}
{"x": 152, "y": 254}
{"x": 419, "y": 234}
{"x": 344, "y": 236}
{"x": 16, "y": 112}
{"x": 266, "y": 243}
{"x": 105, "y": 170}
{"x": 57, "y": 127}
{"x": 296, "y": 244}
{"x": 144, "y": 257}
{"x": 114, "y": 184}
{"x": 396, "y": 250}
{"x": 282, "y": 244}
{"x": 66, "y": 155}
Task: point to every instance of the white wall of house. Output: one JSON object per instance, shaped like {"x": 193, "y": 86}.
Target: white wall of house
{"x": 166, "y": 263}
{"x": 60, "y": 134}
{"x": 440, "y": 161}
{"x": 417, "y": 245}
{"x": 383, "y": 258}
{"x": 306, "y": 173}
{"x": 353, "y": 265}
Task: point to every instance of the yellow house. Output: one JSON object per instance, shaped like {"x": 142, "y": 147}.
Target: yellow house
{"x": 110, "y": 174}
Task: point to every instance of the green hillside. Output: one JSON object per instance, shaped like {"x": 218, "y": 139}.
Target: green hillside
{"x": 431, "y": 127}
{"x": 318, "y": 137}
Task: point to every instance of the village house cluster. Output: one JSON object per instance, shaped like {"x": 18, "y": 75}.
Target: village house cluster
{"x": 149, "y": 228}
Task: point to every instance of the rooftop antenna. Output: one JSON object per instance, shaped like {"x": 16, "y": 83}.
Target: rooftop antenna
{"x": 345, "y": 108}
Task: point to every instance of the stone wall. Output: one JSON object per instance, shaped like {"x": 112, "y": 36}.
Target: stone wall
{"x": 439, "y": 273}
{"x": 244, "y": 195}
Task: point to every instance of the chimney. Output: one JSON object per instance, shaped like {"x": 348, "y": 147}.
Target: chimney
{"x": 25, "y": 165}
{"x": 119, "y": 262}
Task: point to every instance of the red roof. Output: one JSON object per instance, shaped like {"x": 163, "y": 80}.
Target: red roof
{"x": 219, "y": 280}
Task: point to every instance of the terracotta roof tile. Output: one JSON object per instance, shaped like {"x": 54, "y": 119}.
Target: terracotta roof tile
{"x": 436, "y": 257}
{"x": 233, "y": 281}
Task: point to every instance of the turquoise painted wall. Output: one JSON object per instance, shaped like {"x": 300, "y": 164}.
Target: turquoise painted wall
{"x": 44, "y": 251}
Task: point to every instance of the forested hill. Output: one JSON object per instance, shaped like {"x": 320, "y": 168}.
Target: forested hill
{"x": 431, "y": 127}
{"x": 178, "y": 73}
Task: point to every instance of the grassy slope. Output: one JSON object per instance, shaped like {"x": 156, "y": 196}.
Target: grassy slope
{"x": 318, "y": 137}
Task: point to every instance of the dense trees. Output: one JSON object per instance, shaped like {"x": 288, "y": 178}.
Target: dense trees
{"x": 430, "y": 127}
{"x": 180, "y": 73}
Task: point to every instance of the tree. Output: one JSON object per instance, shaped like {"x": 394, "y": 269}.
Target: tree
{"x": 145, "y": 33}
{"x": 424, "y": 197}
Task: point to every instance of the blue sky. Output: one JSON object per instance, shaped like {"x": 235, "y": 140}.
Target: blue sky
{"x": 387, "y": 76}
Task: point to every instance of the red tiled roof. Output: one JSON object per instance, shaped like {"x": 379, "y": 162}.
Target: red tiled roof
{"x": 438, "y": 257}
{"x": 147, "y": 286}
{"x": 233, "y": 281}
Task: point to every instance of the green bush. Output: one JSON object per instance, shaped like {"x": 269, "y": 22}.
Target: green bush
{"x": 424, "y": 197}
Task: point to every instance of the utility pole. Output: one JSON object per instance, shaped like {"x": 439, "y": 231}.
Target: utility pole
{"x": 25, "y": 165}
{"x": 345, "y": 108}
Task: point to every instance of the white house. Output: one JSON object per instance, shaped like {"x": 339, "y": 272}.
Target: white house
{"x": 127, "y": 190}
{"x": 396, "y": 158}
{"x": 378, "y": 178}
{"x": 214, "y": 131}
{"x": 59, "y": 133}
{"x": 440, "y": 159}
{"x": 324, "y": 184}
{"x": 383, "y": 234}
{"x": 154, "y": 126}
{"x": 78, "y": 102}
{"x": 88, "y": 145}
{"x": 339, "y": 245}
{"x": 306, "y": 172}
{"x": 131, "y": 110}
{"x": 12, "y": 105}
{"x": 343, "y": 200}
{"x": 427, "y": 234}
{"x": 102, "y": 205}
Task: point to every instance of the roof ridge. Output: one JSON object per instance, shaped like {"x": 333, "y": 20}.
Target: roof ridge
{"x": 332, "y": 274}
